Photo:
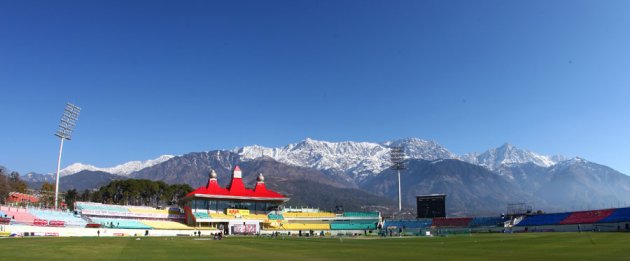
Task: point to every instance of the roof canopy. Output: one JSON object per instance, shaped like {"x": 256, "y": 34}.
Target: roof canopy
{"x": 236, "y": 189}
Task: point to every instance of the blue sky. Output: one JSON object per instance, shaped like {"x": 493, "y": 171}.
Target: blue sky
{"x": 172, "y": 77}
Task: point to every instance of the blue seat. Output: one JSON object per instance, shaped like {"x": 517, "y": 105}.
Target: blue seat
{"x": 486, "y": 221}
{"x": 120, "y": 223}
{"x": 411, "y": 224}
{"x": 543, "y": 219}
{"x": 620, "y": 215}
{"x": 67, "y": 217}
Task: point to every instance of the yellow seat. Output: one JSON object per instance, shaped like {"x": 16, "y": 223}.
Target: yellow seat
{"x": 148, "y": 211}
{"x": 256, "y": 216}
{"x": 302, "y": 226}
{"x": 309, "y": 215}
{"x": 165, "y": 224}
{"x": 221, "y": 216}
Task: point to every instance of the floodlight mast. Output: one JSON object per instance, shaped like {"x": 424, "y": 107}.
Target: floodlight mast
{"x": 397, "y": 157}
{"x": 66, "y": 126}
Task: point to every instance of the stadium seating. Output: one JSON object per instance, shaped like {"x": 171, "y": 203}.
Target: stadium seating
{"x": 201, "y": 215}
{"x": 353, "y": 225}
{"x": 221, "y": 216}
{"x": 486, "y": 221}
{"x": 411, "y": 224}
{"x": 142, "y": 210}
{"x": 543, "y": 219}
{"x": 309, "y": 215}
{"x": 20, "y": 215}
{"x": 255, "y": 216}
{"x": 451, "y": 222}
{"x": 165, "y": 224}
{"x": 302, "y": 226}
{"x": 271, "y": 225}
{"x": 586, "y": 217}
{"x": 67, "y": 217}
{"x": 275, "y": 217}
{"x": 360, "y": 214}
{"x": 619, "y": 215}
{"x": 100, "y": 207}
{"x": 120, "y": 223}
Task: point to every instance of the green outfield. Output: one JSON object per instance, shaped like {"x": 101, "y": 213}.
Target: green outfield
{"x": 530, "y": 246}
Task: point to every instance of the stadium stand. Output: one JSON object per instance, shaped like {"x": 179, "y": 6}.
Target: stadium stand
{"x": 201, "y": 215}
{"x": 353, "y": 225}
{"x": 52, "y": 215}
{"x": 19, "y": 215}
{"x": 271, "y": 225}
{"x": 120, "y": 223}
{"x": 486, "y": 222}
{"x": 619, "y": 215}
{"x": 361, "y": 214}
{"x": 411, "y": 224}
{"x": 309, "y": 215}
{"x": 275, "y": 217}
{"x": 255, "y": 216}
{"x": 303, "y": 226}
{"x": 451, "y": 222}
{"x": 221, "y": 216}
{"x": 147, "y": 210}
{"x": 100, "y": 207}
{"x": 164, "y": 224}
{"x": 543, "y": 219}
{"x": 586, "y": 217}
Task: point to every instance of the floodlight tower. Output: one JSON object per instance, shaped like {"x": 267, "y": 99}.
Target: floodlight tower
{"x": 397, "y": 157}
{"x": 66, "y": 126}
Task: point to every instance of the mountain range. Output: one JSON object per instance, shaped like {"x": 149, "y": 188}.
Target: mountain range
{"x": 357, "y": 175}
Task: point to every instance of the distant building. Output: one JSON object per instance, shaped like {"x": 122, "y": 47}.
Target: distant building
{"x": 17, "y": 197}
{"x": 235, "y": 208}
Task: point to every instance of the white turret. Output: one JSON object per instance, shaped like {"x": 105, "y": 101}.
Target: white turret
{"x": 237, "y": 174}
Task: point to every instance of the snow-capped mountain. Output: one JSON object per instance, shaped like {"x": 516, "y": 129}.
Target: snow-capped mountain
{"x": 122, "y": 169}
{"x": 355, "y": 159}
{"x": 422, "y": 149}
{"x": 508, "y": 154}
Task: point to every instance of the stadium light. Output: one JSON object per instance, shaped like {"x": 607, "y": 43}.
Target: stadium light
{"x": 66, "y": 126}
{"x": 397, "y": 157}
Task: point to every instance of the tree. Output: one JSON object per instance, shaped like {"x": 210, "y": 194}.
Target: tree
{"x": 86, "y": 195}
{"x": 47, "y": 192}
{"x": 15, "y": 183}
{"x": 140, "y": 192}
{"x": 70, "y": 198}
{"x": 4, "y": 186}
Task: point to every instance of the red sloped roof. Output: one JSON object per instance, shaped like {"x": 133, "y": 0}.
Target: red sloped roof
{"x": 21, "y": 197}
{"x": 236, "y": 189}
{"x": 261, "y": 190}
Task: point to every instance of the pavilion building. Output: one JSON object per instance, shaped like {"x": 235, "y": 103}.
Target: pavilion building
{"x": 234, "y": 209}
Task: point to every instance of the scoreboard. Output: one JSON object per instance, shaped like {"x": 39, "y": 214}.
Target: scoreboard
{"x": 431, "y": 206}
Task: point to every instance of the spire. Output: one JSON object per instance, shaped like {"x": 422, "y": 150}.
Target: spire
{"x": 237, "y": 174}
{"x": 260, "y": 184}
{"x": 212, "y": 180}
